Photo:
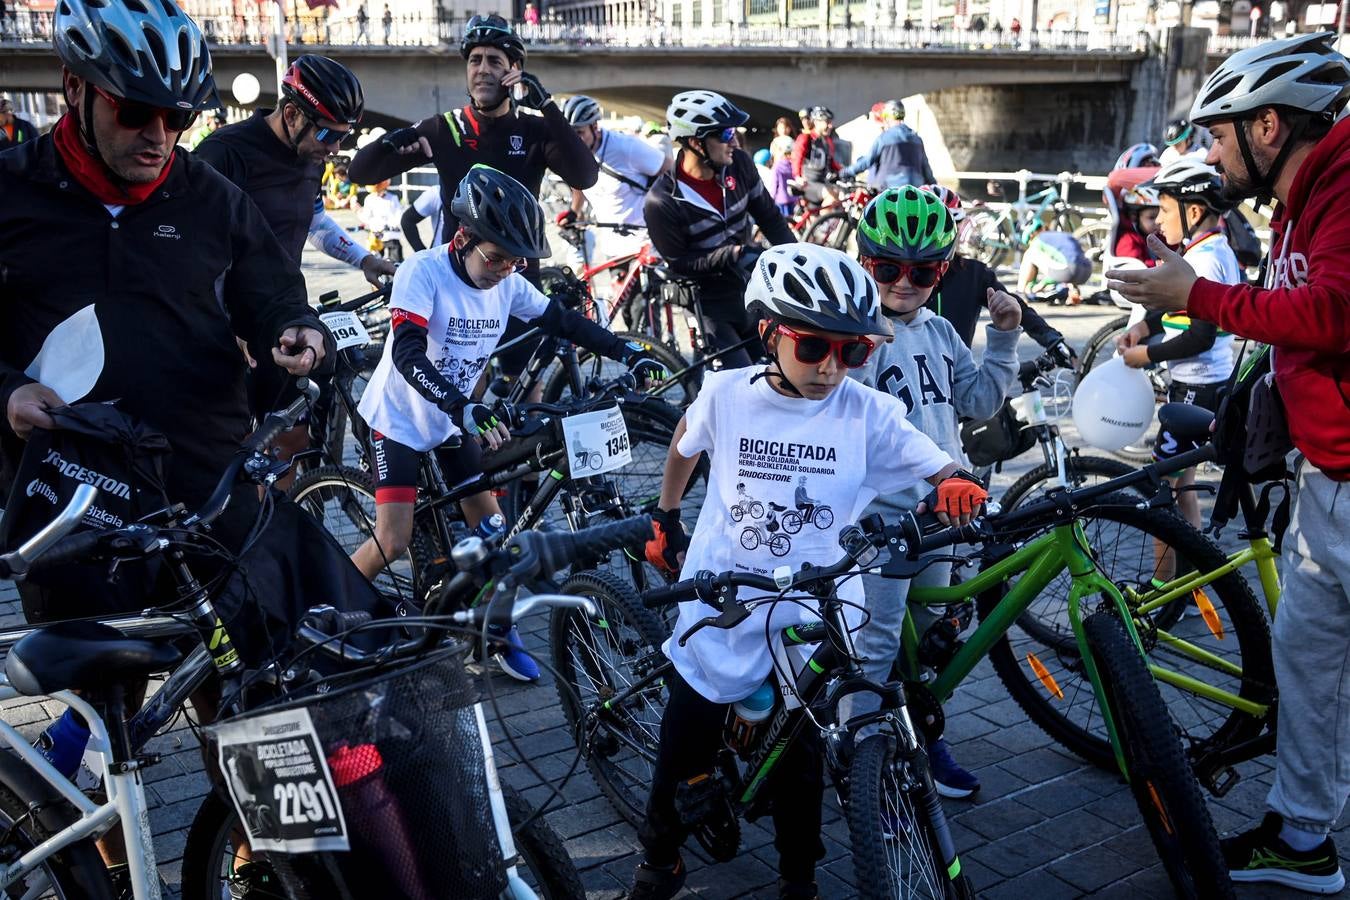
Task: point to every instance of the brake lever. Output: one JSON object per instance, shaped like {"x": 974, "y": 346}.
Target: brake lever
{"x": 731, "y": 616}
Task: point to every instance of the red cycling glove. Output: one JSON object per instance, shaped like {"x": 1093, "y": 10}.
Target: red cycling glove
{"x": 670, "y": 541}
{"x": 959, "y": 495}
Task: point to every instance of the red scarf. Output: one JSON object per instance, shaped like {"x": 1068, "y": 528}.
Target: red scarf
{"x": 91, "y": 172}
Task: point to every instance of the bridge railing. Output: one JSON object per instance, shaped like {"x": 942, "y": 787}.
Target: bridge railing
{"x": 252, "y": 30}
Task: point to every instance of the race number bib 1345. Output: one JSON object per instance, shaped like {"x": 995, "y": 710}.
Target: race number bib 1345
{"x": 597, "y": 442}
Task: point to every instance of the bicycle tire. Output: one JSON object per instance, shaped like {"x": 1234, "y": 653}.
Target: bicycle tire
{"x": 1092, "y": 237}
{"x": 619, "y": 744}
{"x": 1070, "y": 716}
{"x": 342, "y": 500}
{"x": 553, "y": 875}
{"x": 983, "y": 223}
{"x": 1164, "y": 787}
{"x": 77, "y": 872}
{"x": 874, "y": 797}
{"x": 833, "y": 229}
{"x": 1103, "y": 339}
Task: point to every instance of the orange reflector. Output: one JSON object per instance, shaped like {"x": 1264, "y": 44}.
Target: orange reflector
{"x": 1158, "y": 805}
{"x": 1047, "y": 680}
{"x": 1208, "y": 613}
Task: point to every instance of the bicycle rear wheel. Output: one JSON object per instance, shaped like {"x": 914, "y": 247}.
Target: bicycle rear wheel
{"x": 597, "y": 658}
{"x": 834, "y": 229}
{"x": 1102, "y": 345}
{"x": 1224, "y": 643}
{"x": 1161, "y": 780}
{"x": 342, "y": 500}
{"x": 75, "y": 873}
{"x": 895, "y": 846}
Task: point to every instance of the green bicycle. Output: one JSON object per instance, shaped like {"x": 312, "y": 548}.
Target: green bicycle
{"x": 616, "y": 722}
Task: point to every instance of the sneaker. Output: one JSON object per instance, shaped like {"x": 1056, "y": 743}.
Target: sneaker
{"x": 797, "y": 890}
{"x": 1259, "y": 854}
{"x": 655, "y": 883}
{"x": 256, "y": 881}
{"x": 952, "y": 781}
{"x": 514, "y": 660}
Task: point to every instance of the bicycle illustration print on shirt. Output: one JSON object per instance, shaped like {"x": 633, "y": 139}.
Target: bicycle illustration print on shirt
{"x": 765, "y": 523}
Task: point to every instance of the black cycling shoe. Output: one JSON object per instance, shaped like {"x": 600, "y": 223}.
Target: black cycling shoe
{"x": 654, "y": 883}
{"x": 797, "y": 890}
{"x": 256, "y": 881}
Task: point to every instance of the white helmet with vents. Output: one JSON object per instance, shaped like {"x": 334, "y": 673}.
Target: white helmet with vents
{"x": 696, "y": 114}
{"x": 580, "y": 111}
{"x": 815, "y": 286}
{"x": 1303, "y": 72}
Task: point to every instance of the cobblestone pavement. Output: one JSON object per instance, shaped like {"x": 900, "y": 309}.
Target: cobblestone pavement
{"x": 1045, "y": 824}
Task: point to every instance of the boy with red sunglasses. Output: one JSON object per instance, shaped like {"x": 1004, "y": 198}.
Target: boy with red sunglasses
{"x": 819, "y": 315}
{"x": 906, "y": 238}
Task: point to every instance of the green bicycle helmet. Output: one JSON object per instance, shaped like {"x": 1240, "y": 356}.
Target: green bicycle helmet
{"x": 907, "y": 223}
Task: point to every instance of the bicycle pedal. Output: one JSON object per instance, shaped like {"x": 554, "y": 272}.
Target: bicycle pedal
{"x": 1219, "y": 781}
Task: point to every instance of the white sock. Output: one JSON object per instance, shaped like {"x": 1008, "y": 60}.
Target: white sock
{"x": 1301, "y": 840}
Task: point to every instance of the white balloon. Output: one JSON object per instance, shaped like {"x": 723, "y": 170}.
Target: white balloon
{"x": 1113, "y": 405}
{"x": 245, "y": 88}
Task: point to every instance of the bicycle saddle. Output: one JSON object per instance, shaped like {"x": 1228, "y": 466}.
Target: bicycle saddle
{"x": 1183, "y": 427}
{"x": 82, "y": 655}
{"x": 776, "y": 507}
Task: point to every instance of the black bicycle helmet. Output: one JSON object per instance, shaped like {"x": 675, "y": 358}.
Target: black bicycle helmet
{"x": 324, "y": 89}
{"x": 492, "y": 31}
{"x": 149, "y": 51}
{"x": 496, "y": 208}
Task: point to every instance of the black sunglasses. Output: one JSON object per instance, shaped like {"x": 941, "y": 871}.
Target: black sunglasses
{"x": 134, "y": 115}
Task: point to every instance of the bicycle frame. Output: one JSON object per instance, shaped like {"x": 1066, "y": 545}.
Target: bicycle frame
{"x": 1038, "y": 563}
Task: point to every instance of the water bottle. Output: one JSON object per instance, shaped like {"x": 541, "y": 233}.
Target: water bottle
{"x": 489, "y": 526}
{"x": 749, "y": 714}
{"x": 376, "y": 819}
{"x": 63, "y": 743}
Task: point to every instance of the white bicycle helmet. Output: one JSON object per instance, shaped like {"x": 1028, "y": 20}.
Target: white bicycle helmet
{"x": 581, "y": 111}
{"x": 1141, "y": 195}
{"x": 815, "y": 286}
{"x": 1303, "y": 72}
{"x": 697, "y": 114}
{"x": 1189, "y": 179}
{"x": 1137, "y": 155}
{"x": 950, "y": 199}
{"x": 149, "y": 52}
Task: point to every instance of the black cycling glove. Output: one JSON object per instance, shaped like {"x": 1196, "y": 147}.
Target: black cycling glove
{"x": 535, "y": 95}
{"x": 670, "y": 540}
{"x": 400, "y": 138}
{"x": 642, "y": 364}
{"x": 473, "y": 418}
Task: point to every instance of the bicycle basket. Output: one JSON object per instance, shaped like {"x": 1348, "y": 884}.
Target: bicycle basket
{"x": 407, "y": 759}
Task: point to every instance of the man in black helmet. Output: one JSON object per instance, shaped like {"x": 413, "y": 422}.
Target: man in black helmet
{"x": 276, "y": 157}
{"x": 490, "y": 130}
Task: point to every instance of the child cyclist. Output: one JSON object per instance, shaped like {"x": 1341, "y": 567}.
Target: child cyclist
{"x": 819, "y": 315}
{"x": 1199, "y": 355}
{"x": 906, "y": 240}
{"x": 449, "y": 307}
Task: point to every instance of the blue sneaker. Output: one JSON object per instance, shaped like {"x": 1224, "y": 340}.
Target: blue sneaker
{"x": 514, "y": 660}
{"x": 952, "y": 781}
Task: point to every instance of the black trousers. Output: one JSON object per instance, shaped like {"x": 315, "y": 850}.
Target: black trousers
{"x": 728, "y": 334}
{"x": 691, "y": 736}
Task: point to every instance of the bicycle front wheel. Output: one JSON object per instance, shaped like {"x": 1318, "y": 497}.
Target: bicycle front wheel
{"x": 548, "y": 870}
{"x": 1223, "y": 645}
{"x": 895, "y": 845}
{"x": 1102, "y": 345}
{"x": 1161, "y": 780}
{"x": 75, "y": 873}
{"x": 595, "y": 660}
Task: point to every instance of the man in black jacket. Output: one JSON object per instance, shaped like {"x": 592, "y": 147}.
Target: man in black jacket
{"x": 491, "y": 130}
{"x": 127, "y": 267}
{"x": 701, "y": 214}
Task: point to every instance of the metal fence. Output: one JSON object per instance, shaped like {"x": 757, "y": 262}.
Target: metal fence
{"x": 326, "y": 29}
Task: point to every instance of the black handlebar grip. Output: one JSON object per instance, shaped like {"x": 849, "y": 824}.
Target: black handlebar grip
{"x": 666, "y": 595}
{"x": 74, "y": 548}
{"x": 559, "y": 550}
{"x": 284, "y": 420}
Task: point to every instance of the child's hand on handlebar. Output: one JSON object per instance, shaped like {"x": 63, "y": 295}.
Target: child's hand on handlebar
{"x": 958, "y": 499}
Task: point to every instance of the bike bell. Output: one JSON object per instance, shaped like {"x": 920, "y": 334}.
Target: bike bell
{"x": 1113, "y": 405}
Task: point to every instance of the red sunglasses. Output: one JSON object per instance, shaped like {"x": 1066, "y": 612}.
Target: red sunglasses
{"x": 812, "y": 349}
{"x": 888, "y": 271}
{"x": 134, "y": 115}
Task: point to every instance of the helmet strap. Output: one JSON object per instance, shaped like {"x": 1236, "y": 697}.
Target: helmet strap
{"x": 87, "y": 134}
{"x": 1265, "y": 183}
{"x": 777, "y": 368}
{"x": 294, "y": 142}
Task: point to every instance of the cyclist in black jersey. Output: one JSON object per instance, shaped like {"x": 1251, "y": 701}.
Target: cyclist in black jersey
{"x": 490, "y": 130}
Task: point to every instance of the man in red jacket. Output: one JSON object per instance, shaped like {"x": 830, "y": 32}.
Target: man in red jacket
{"x": 1272, "y": 111}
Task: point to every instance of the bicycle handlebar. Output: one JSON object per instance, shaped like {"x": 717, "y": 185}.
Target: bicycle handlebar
{"x": 329, "y": 302}
{"x": 17, "y": 563}
{"x": 623, "y": 384}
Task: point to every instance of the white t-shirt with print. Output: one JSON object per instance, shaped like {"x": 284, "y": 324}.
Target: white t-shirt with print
{"x": 1211, "y": 258}
{"x": 464, "y": 326}
{"x": 613, "y": 200}
{"x": 850, "y": 446}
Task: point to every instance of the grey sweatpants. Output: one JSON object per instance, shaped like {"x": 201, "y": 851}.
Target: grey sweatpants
{"x": 1311, "y": 643}
{"x": 878, "y": 641}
